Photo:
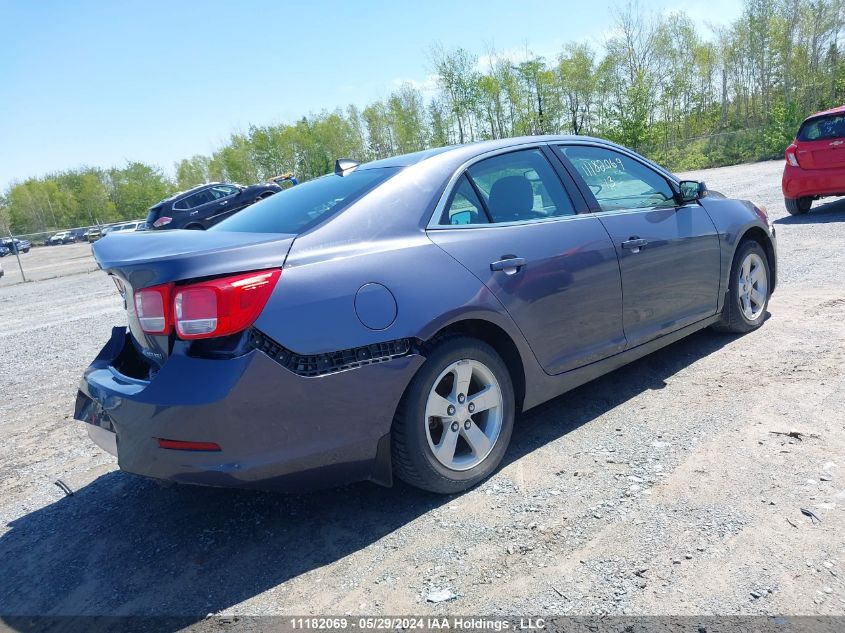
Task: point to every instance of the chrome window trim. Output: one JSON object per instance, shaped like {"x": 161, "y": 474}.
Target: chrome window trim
{"x": 496, "y": 225}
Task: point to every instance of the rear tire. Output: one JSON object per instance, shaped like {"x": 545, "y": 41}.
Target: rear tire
{"x": 455, "y": 421}
{"x": 749, "y": 291}
{"x": 798, "y": 206}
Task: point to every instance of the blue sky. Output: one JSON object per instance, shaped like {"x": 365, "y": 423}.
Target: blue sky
{"x": 100, "y": 83}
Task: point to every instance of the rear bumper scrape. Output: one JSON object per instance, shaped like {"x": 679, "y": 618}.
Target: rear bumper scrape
{"x": 277, "y": 429}
{"x": 314, "y": 365}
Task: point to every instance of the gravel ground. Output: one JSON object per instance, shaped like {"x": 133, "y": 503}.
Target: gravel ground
{"x": 661, "y": 488}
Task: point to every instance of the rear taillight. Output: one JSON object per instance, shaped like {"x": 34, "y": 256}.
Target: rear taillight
{"x": 222, "y": 306}
{"x": 162, "y": 221}
{"x": 152, "y": 309}
{"x": 206, "y": 309}
{"x": 790, "y": 156}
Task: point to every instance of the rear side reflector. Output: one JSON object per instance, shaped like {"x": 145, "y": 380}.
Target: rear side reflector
{"x": 162, "y": 221}
{"x": 178, "y": 445}
{"x": 152, "y": 309}
{"x": 219, "y": 307}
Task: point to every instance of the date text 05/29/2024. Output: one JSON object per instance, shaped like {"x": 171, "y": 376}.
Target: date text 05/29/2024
{"x": 456, "y": 623}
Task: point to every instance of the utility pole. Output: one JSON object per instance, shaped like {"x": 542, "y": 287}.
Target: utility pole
{"x": 17, "y": 254}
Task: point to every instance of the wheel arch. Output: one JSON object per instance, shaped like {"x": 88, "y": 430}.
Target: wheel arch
{"x": 473, "y": 327}
{"x": 757, "y": 234}
{"x": 497, "y": 338}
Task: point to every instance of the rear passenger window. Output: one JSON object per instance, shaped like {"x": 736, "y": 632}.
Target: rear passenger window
{"x": 464, "y": 207}
{"x": 520, "y": 186}
{"x": 201, "y": 197}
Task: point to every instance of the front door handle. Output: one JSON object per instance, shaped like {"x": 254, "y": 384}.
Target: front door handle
{"x": 224, "y": 202}
{"x": 509, "y": 265}
{"x": 634, "y": 244}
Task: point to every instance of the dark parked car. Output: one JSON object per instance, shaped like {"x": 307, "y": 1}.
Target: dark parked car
{"x": 206, "y": 205}
{"x": 16, "y": 245}
{"x": 78, "y": 235}
{"x": 392, "y": 318}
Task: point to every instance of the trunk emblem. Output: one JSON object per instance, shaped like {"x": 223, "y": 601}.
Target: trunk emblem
{"x": 836, "y": 143}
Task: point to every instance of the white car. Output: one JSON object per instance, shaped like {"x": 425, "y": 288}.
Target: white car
{"x": 126, "y": 226}
{"x": 60, "y": 238}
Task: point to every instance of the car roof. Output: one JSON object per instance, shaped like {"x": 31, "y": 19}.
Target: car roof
{"x": 836, "y": 110}
{"x": 468, "y": 150}
{"x": 179, "y": 194}
{"x": 453, "y": 156}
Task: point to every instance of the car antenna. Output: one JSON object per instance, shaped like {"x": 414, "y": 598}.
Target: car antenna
{"x": 343, "y": 166}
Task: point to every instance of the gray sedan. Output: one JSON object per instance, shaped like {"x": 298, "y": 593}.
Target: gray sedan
{"x": 391, "y": 319}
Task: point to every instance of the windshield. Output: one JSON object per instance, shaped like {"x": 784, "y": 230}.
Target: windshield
{"x": 823, "y": 128}
{"x": 299, "y": 208}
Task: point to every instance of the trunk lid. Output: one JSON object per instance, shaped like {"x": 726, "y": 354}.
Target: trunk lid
{"x": 143, "y": 259}
{"x": 828, "y": 154}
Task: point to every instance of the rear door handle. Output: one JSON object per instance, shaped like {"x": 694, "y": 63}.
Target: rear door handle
{"x": 509, "y": 265}
{"x": 224, "y": 202}
{"x": 634, "y": 244}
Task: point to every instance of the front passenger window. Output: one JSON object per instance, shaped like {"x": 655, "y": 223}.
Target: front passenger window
{"x": 618, "y": 181}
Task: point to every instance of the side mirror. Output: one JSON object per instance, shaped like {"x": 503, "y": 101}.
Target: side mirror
{"x": 691, "y": 190}
{"x": 461, "y": 217}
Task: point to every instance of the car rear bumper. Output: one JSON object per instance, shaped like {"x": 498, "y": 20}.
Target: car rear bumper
{"x": 276, "y": 429}
{"x": 798, "y": 182}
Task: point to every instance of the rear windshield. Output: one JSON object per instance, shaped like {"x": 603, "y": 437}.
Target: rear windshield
{"x": 823, "y": 128}
{"x": 303, "y": 206}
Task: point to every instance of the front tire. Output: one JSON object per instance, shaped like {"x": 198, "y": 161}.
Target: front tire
{"x": 749, "y": 290}
{"x": 798, "y": 206}
{"x": 455, "y": 421}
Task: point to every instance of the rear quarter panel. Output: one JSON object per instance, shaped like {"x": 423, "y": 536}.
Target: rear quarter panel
{"x": 312, "y": 309}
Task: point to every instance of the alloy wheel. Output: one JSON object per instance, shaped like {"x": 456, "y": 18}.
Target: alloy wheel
{"x": 463, "y": 414}
{"x": 753, "y": 286}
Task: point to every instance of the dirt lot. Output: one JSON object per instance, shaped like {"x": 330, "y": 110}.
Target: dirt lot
{"x": 662, "y": 488}
{"x": 48, "y": 262}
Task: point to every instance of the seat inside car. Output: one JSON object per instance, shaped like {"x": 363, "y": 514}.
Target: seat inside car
{"x": 511, "y": 199}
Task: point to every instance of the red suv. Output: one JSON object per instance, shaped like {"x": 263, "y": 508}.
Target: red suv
{"x": 815, "y": 161}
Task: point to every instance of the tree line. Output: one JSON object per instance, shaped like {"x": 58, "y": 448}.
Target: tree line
{"x": 657, "y": 85}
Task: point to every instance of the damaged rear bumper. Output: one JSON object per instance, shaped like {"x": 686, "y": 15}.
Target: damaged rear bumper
{"x": 275, "y": 429}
